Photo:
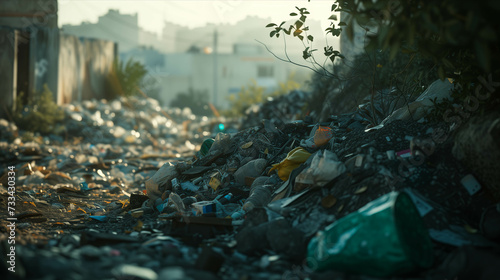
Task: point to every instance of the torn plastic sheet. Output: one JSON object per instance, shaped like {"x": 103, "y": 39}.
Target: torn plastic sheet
{"x": 422, "y": 206}
{"x": 458, "y": 236}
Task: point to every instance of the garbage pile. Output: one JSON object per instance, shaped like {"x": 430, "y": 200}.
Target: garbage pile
{"x": 298, "y": 200}
{"x": 134, "y": 120}
{"x": 280, "y": 109}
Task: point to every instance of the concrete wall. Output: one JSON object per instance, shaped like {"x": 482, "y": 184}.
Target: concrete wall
{"x": 42, "y": 51}
{"x": 44, "y": 57}
{"x": 84, "y": 65}
{"x": 29, "y": 46}
{"x": 350, "y": 49}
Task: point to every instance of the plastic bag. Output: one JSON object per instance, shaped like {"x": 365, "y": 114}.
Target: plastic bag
{"x": 322, "y": 135}
{"x": 385, "y": 237}
{"x": 155, "y": 185}
{"x": 221, "y": 144}
{"x": 293, "y": 159}
{"x": 324, "y": 168}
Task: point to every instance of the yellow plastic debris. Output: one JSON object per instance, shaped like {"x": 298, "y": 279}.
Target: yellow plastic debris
{"x": 294, "y": 158}
{"x": 247, "y": 145}
{"x": 214, "y": 183}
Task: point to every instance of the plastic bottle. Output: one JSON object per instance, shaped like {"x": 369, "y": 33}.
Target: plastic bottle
{"x": 177, "y": 201}
{"x": 219, "y": 208}
{"x": 238, "y": 215}
{"x": 259, "y": 196}
{"x": 225, "y": 199}
{"x": 175, "y": 185}
{"x": 220, "y": 211}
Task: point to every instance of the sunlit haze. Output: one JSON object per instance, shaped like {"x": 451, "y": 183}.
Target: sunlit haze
{"x": 152, "y": 14}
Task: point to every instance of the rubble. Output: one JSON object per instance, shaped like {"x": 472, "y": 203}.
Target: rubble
{"x": 130, "y": 193}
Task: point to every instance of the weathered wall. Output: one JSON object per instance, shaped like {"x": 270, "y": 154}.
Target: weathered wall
{"x": 29, "y": 43}
{"x": 28, "y": 13}
{"x": 7, "y": 70}
{"x": 44, "y": 57}
{"x": 84, "y": 65}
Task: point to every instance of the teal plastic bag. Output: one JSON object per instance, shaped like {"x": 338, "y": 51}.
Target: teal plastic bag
{"x": 385, "y": 237}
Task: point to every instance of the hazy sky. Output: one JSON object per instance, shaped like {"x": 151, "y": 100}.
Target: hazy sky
{"x": 190, "y": 13}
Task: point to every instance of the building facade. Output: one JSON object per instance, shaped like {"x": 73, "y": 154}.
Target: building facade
{"x": 184, "y": 71}
{"x": 113, "y": 26}
{"x": 34, "y": 53}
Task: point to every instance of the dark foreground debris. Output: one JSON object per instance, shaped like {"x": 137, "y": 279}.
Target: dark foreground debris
{"x": 274, "y": 201}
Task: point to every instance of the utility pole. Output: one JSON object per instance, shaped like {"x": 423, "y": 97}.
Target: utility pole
{"x": 215, "y": 92}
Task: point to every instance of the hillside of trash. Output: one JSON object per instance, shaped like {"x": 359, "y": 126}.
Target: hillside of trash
{"x": 130, "y": 190}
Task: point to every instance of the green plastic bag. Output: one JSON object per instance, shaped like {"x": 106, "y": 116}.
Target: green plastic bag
{"x": 384, "y": 238}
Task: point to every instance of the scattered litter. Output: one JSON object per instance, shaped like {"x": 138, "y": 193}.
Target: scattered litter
{"x": 99, "y": 218}
{"x": 470, "y": 184}
{"x": 354, "y": 244}
{"x": 404, "y": 153}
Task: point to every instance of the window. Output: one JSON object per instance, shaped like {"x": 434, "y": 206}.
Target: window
{"x": 265, "y": 71}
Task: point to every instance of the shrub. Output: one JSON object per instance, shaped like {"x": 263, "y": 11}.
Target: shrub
{"x": 41, "y": 114}
{"x": 197, "y": 100}
{"x": 124, "y": 79}
{"x": 254, "y": 94}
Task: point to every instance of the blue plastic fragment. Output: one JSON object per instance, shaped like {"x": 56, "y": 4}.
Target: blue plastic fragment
{"x": 99, "y": 218}
{"x": 84, "y": 186}
{"x": 160, "y": 207}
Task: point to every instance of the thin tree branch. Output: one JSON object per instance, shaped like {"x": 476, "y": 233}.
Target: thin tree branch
{"x": 294, "y": 63}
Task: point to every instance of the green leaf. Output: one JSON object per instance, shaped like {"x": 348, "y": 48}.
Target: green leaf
{"x": 310, "y": 38}
{"x": 342, "y": 23}
{"x": 303, "y": 18}
{"x": 306, "y": 54}
{"x": 334, "y": 6}
{"x": 328, "y": 51}
{"x": 297, "y": 32}
{"x": 300, "y": 37}
{"x": 293, "y": 14}
{"x": 333, "y": 17}
{"x": 298, "y": 24}
{"x": 271, "y": 25}
{"x": 272, "y": 33}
